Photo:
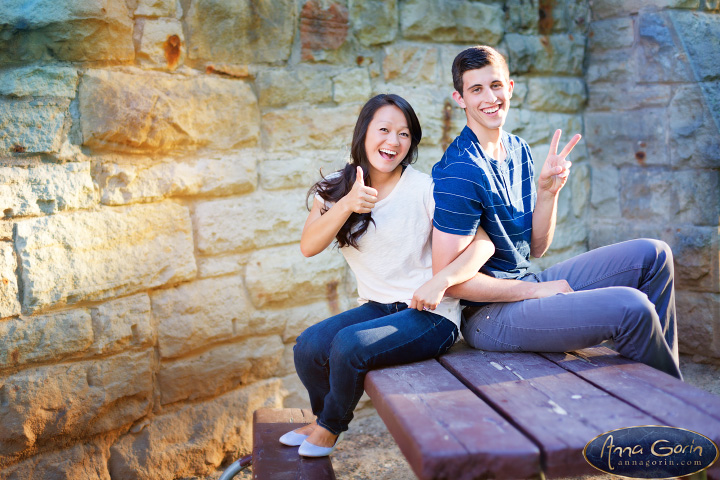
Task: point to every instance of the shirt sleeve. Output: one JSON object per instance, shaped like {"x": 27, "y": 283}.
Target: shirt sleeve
{"x": 458, "y": 205}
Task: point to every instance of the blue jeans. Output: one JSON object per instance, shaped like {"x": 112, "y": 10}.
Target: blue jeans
{"x": 332, "y": 357}
{"x": 624, "y": 292}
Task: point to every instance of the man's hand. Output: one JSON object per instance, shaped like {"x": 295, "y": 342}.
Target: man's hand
{"x": 556, "y": 168}
{"x": 548, "y": 289}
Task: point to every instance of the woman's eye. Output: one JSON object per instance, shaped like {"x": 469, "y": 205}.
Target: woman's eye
{"x": 383, "y": 129}
{"x": 405, "y": 134}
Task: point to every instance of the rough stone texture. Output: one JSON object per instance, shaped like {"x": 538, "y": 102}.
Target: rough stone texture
{"x": 286, "y": 170}
{"x": 131, "y": 180}
{"x": 374, "y": 22}
{"x": 221, "y": 265}
{"x": 87, "y": 461}
{"x": 97, "y": 255}
{"x": 551, "y": 54}
{"x": 167, "y": 113}
{"x": 60, "y": 402}
{"x": 351, "y": 86}
{"x": 659, "y": 58}
{"x": 698, "y": 321}
{"x": 539, "y": 127}
{"x": 45, "y": 188}
{"x": 612, "y": 8}
{"x": 219, "y": 369}
{"x": 611, "y": 66}
{"x": 612, "y": 34}
{"x": 123, "y": 323}
{"x": 275, "y": 220}
{"x": 156, "y": 8}
{"x": 606, "y": 96}
{"x": 309, "y": 85}
{"x": 159, "y": 43}
{"x": 281, "y": 275}
{"x": 32, "y": 126}
{"x": 241, "y": 32}
{"x": 196, "y": 314}
{"x": 78, "y": 31}
{"x": 323, "y": 26}
{"x": 194, "y": 439}
{"x": 694, "y": 139}
{"x": 410, "y": 63}
{"x": 451, "y": 21}
{"x": 39, "y": 81}
{"x": 521, "y": 16}
{"x": 308, "y": 127}
{"x": 49, "y": 337}
{"x": 9, "y": 301}
{"x": 553, "y": 94}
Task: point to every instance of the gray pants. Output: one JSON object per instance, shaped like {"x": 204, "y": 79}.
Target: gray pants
{"x": 624, "y": 292}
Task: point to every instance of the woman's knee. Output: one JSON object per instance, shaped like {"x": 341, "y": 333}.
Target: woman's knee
{"x": 347, "y": 347}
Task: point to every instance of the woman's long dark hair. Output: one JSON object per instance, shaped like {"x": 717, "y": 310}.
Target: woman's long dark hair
{"x": 334, "y": 187}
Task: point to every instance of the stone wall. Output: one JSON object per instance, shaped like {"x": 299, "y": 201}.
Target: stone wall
{"x": 154, "y": 160}
{"x": 652, "y": 127}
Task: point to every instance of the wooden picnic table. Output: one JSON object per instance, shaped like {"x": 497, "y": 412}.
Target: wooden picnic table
{"x": 474, "y": 414}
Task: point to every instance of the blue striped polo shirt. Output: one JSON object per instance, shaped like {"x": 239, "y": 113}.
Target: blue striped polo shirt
{"x": 472, "y": 189}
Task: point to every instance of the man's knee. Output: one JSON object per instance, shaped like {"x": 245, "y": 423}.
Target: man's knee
{"x": 656, "y": 251}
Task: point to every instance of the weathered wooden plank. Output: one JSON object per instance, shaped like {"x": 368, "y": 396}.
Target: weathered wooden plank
{"x": 275, "y": 461}
{"x": 444, "y": 430}
{"x": 665, "y": 398}
{"x": 558, "y": 410}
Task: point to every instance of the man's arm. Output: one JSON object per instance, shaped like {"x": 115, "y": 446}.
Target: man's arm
{"x": 553, "y": 176}
{"x": 483, "y": 288}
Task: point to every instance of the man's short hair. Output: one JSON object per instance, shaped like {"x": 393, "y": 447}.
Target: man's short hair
{"x": 474, "y": 58}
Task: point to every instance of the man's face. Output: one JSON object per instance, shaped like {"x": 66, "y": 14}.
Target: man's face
{"x": 486, "y": 97}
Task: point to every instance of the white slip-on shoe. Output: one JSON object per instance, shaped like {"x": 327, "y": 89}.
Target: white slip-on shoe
{"x": 293, "y": 439}
{"x": 307, "y": 449}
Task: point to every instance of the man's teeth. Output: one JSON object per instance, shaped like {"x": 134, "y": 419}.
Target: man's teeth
{"x": 389, "y": 152}
{"x": 492, "y": 109}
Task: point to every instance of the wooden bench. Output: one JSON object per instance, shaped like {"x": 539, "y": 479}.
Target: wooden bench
{"x": 473, "y": 414}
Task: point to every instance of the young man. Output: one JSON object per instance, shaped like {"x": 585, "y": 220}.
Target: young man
{"x": 484, "y": 189}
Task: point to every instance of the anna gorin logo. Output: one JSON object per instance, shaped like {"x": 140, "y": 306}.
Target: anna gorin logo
{"x": 651, "y": 451}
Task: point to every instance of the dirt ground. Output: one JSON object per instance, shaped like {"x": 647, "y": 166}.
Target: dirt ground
{"x": 368, "y": 451}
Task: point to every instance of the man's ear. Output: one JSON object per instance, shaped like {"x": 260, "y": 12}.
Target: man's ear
{"x": 511, "y": 86}
{"x": 458, "y": 99}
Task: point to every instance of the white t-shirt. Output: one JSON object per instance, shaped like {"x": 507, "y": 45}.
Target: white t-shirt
{"x": 394, "y": 257}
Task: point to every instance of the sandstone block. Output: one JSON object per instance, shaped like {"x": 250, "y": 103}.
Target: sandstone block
{"x": 451, "y": 21}
{"x": 196, "y": 314}
{"x": 638, "y": 137}
{"x": 693, "y": 132}
{"x": 696, "y": 192}
{"x": 698, "y": 328}
{"x": 612, "y": 34}
{"x": 220, "y": 369}
{"x": 309, "y": 127}
{"x": 194, "y": 439}
{"x": 79, "y": 31}
{"x": 123, "y": 323}
{"x": 374, "y": 22}
{"x": 352, "y": 86}
{"x": 9, "y": 301}
{"x": 618, "y": 8}
{"x": 45, "y": 337}
{"x": 539, "y": 127}
{"x": 557, "y": 94}
{"x": 299, "y": 318}
{"x": 700, "y": 34}
{"x": 249, "y": 222}
{"x": 281, "y": 276}
{"x": 102, "y": 254}
{"x": 159, "y": 43}
{"x": 647, "y": 195}
{"x": 221, "y": 265}
{"x": 295, "y": 394}
{"x": 156, "y": 8}
{"x": 558, "y": 53}
{"x": 58, "y": 402}
{"x": 660, "y": 58}
{"x": 607, "y": 96}
{"x": 284, "y": 170}
{"x": 131, "y": 180}
{"x": 563, "y": 16}
{"x": 605, "y": 194}
{"x": 304, "y": 84}
{"x": 241, "y": 32}
{"x": 410, "y": 63}
{"x": 169, "y": 112}
{"x": 39, "y": 81}
{"x": 32, "y": 126}
{"x": 521, "y": 16}
{"x": 45, "y": 188}
{"x": 611, "y": 65}
{"x": 87, "y": 460}
{"x": 323, "y": 29}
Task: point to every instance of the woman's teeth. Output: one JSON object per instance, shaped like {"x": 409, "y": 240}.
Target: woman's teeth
{"x": 388, "y": 153}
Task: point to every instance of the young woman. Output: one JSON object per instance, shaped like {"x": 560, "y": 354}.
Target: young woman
{"x": 379, "y": 211}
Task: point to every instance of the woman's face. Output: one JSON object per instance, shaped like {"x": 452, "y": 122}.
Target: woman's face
{"x": 387, "y": 140}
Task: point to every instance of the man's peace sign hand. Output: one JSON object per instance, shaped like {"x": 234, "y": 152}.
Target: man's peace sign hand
{"x": 556, "y": 169}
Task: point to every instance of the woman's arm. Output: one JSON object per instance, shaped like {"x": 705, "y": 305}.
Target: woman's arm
{"x": 320, "y": 228}
{"x": 464, "y": 267}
